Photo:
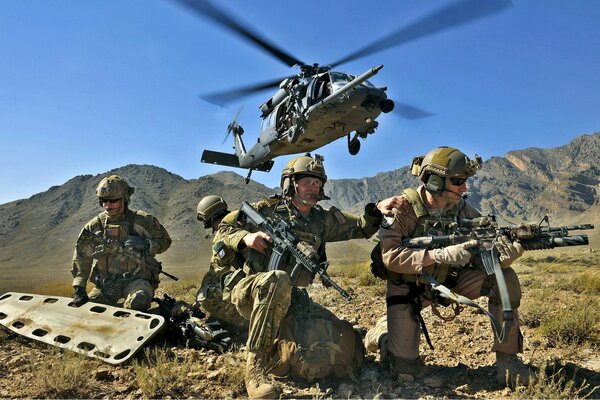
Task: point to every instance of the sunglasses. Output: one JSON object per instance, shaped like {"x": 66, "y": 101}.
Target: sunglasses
{"x": 457, "y": 181}
{"x": 111, "y": 201}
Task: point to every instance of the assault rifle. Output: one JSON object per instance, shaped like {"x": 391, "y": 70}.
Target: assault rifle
{"x": 285, "y": 241}
{"x": 183, "y": 322}
{"x": 530, "y": 236}
{"x": 115, "y": 248}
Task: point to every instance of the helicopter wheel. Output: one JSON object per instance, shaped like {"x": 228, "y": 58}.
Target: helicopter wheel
{"x": 293, "y": 134}
{"x": 354, "y": 146}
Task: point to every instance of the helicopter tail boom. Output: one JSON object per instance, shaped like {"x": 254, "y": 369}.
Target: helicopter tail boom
{"x": 231, "y": 160}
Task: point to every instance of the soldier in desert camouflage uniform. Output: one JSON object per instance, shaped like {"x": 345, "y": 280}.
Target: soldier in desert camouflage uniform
{"x": 122, "y": 265}
{"x": 263, "y": 297}
{"x": 437, "y": 207}
{"x": 210, "y": 211}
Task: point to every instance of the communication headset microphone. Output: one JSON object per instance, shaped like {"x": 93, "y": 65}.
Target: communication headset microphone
{"x": 437, "y": 184}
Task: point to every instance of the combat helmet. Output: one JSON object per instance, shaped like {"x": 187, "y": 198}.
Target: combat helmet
{"x": 304, "y": 165}
{"x": 443, "y": 162}
{"x": 114, "y": 187}
{"x": 209, "y": 208}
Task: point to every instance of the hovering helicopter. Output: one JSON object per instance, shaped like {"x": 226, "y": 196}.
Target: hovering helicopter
{"x": 320, "y": 105}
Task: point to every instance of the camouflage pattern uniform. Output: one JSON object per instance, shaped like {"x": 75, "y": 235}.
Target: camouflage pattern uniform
{"x": 115, "y": 275}
{"x": 211, "y": 210}
{"x": 210, "y": 295}
{"x": 264, "y": 297}
{"x": 397, "y": 335}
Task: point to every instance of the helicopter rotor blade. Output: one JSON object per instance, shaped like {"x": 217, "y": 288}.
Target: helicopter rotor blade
{"x": 205, "y": 8}
{"x": 447, "y": 17}
{"x": 222, "y": 98}
{"x": 410, "y": 112}
{"x": 233, "y": 124}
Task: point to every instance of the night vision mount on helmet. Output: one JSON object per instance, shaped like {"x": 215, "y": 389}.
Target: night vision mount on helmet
{"x": 319, "y": 105}
{"x": 304, "y": 165}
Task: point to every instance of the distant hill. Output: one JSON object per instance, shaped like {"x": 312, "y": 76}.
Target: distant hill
{"x": 523, "y": 186}
{"x": 37, "y": 234}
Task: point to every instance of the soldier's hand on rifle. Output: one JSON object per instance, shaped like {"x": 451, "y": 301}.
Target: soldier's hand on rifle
{"x": 457, "y": 254}
{"x": 80, "y": 296}
{"x": 137, "y": 243}
{"x": 397, "y": 203}
{"x": 509, "y": 251}
{"x": 258, "y": 241}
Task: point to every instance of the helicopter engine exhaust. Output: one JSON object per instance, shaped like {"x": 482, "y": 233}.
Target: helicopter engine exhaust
{"x": 386, "y": 105}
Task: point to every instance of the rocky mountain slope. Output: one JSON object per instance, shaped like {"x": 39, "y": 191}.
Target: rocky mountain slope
{"x": 37, "y": 234}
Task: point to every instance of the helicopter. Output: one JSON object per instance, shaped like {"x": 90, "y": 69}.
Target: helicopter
{"x": 319, "y": 105}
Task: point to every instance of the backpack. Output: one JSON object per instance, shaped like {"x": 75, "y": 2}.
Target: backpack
{"x": 316, "y": 344}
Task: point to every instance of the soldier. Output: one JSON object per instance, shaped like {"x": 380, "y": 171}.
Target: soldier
{"x": 116, "y": 251}
{"x": 436, "y": 205}
{"x": 210, "y": 211}
{"x": 264, "y": 297}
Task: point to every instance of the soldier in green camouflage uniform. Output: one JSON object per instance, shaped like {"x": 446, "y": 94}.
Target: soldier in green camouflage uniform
{"x": 210, "y": 211}
{"x": 123, "y": 266}
{"x": 263, "y": 297}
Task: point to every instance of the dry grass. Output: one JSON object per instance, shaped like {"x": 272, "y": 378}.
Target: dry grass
{"x": 63, "y": 375}
{"x": 562, "y": 296}
{"x": 554, "y": 382}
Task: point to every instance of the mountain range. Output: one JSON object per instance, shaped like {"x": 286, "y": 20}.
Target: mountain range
{"x": 37, "y": 234}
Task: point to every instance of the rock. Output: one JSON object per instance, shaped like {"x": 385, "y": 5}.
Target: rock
{"x": 344, "y": 391}
{"x": 216, "y": 373}
{"x": 369, "y": 374}
{"x": 434, "y": 381}
{"x": 405, "y": 378}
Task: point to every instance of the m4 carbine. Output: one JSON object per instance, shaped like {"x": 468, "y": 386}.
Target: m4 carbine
{"x": 184, "y": 321}
{"x": 285, "y": 241}
{"x": 530, "y": 236}
{"x": 114, "y": 247}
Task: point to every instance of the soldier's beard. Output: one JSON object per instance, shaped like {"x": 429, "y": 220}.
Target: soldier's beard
{"x": 115, "y": 212}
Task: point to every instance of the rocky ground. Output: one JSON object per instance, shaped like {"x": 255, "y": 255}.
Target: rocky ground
{"x": 459, "y": 367}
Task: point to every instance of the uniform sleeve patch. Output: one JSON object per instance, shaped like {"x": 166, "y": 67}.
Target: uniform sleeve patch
{"x": 339, "y": 216}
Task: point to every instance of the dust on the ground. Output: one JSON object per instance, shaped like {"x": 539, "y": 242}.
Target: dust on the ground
{"x": 460, "y": 366}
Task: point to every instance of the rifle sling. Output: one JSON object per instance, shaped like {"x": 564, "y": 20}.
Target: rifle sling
{"x": 500, "y": 330}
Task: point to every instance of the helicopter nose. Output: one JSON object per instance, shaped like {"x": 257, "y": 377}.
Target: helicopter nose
{"x": 386, "y": 105}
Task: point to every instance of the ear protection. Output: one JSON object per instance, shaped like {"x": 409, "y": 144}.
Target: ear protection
{"x": 435, "y": 183}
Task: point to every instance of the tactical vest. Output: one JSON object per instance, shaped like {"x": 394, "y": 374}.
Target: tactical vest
{"x": 116, "y": 265}
{"x": 427, "y": 225}
{"x": 309, "y": 229}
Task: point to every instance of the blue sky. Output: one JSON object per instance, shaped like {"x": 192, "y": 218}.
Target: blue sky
{"x": 88, "y": 86}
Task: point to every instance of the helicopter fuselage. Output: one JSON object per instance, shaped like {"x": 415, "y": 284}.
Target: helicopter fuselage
{"x": 312, "y": 112}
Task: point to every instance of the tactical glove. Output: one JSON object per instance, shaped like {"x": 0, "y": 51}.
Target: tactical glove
{"x": 509, "y": 251}
{"x": 457, "y": 254}
{"x": 137, "y": 243}
{"x": 80, "y": 296}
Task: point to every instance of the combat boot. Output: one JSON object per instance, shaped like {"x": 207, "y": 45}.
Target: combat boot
{"x": 404, "y": 366}
{"x": 510, "y": 370}
{"x": 258, "y": 384}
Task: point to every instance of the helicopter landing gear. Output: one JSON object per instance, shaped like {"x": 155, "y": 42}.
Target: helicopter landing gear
{"x": 353, "y": 145}
{"x": 247, "y": 180}
{"x": 294, "y": 133}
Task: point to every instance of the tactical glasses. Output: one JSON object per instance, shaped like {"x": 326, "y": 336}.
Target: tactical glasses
{"x": 457, "y": 181}
{"x": 111, "y": 201}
